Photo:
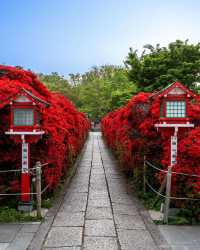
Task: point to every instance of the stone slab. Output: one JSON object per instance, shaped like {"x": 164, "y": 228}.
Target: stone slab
{"x": 79, "y": 188}
{"x": 75, "y": 196}
{"x": 29, "y": 228}
{"x": 185, "y": 236}
{"x": 3, "y": 246}
{"x": 64, "y": 236}
{"x": 99, "y": 202}
{"x": 100, "y": 243}
{"x": 124, "y": 209}
{"x": 61, "y": 248}
{"x": 129, "y": 221}
{"x": 21, "y": 242}
{"x": 96, "y": 213}
{"x": 8, "y": 232}
{"x": 73, "y": 206}
{"x": 102, "y": 227}
{"x": 136, "y": 239}
{"x": 69, "y": 219}
{"x": 98, "y": 195}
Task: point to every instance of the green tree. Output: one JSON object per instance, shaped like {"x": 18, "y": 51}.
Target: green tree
{"x": 104, "y": 89}
{"x": 57, "y": 83}
{"x": 159, "y": 66}
{"x": 98, "y": 91}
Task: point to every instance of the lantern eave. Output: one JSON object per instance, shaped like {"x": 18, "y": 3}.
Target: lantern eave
{"x": 25, "y": 132}
{"x": 174, "y": 125}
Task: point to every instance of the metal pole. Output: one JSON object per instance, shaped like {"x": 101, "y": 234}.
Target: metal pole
{"x": 144, "y": 175}
{"x": 38, "y": 189}
{"x": 168, "y": 194}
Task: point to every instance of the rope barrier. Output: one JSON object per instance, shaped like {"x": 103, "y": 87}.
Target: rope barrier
{"x": 10, "y": 170}
{"x": 18, "y": 194}
{"x": 19, "y": 170}
{"x": 170, "y": 197}
{"x": 45, "y": 189}
{"x": 173, "y": 172}
{"x": 159, "y": 169}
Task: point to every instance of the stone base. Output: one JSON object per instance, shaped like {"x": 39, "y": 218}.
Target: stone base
{"x": 25, "y": 206}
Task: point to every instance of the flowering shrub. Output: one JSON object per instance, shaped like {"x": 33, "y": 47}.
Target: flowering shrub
{"x": 131, "y": 134}
{"x": 65, "y": 128}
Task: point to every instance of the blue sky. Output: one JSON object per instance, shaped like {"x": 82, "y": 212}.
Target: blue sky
{"x": 70, "y": 36}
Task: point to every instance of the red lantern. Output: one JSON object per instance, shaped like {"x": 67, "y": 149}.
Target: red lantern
{"x": 174, "y": 101}
{"x": 25, "y": 122}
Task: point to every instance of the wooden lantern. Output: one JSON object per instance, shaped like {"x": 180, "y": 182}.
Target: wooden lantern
{"x": 25, "y": 122}
{"x": 174, "y": 101}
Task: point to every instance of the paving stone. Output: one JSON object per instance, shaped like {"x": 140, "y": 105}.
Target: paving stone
{"x": 76, "y": 202}
{"x": 102, "y": 227}
{"x": 75, "y": 196}
{"x": 136, "y": 239}
{"x": 79, "y": 188}
{"x": 74, "y": 206}
{"x": 124, "y": 209}
{"x": 29, "y": 228}
{"x": 80, "y": 182}
{"x": 61, "y": 248}
{"x": 71, "y": 208}
{"x": 181, "y": 235}
{"x": 98, "y": 179}
{"x": 85, "y": 164}
{"x": 69, "y": 219}
{"x": 121, "y": 200}
{"x": 83, "y": 177}
{"x": 83, "y": 171}
{"x": 86, "y": 160}
{"x": 97, "y": 188}
{"x": 129, "y": 221}
{"x": 97, "y": 171}
{"x": 189, "y": 247}
{"x": 180, "y": 248}
{"x": 97, "y": 165}
{"x": 21, "y": 242}
{"x": 116, "y": 189}
{"x": 64, "y": 236}
{"x": 98, "y": 195}
{"x": 99, "y": 202}
{"x": 97, "y": 213}
{"x": 3, "y": 246}
{"x": 100, "y": 243}
{"x": 8, "y": 232}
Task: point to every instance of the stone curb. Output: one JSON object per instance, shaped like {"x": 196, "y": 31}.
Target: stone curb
{"x": 42, "y": 232}
{"x": 159, "y": 239}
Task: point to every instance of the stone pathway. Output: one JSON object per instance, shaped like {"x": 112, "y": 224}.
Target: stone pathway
{"x": 17, "y": 236}
{"x": 97, "y": 212}
{"x": 182, "y": 237}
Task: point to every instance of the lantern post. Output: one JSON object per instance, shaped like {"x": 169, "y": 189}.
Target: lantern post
{"x": 25, "y": 128}
{"x": 173, "y": 115}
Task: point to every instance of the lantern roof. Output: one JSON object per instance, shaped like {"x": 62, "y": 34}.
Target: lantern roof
{"x": 25, "y": 94}
{"x": 175, "y": 89}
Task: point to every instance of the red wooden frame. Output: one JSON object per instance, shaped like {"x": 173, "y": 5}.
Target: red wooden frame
{"x": 174, "y": 99}
{"x": 166, "y": 97}
{"x": 24, "y": 105}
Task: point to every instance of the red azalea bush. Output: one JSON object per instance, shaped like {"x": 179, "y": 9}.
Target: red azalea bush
{"x": 131, "y": 134}
{"x": 65, "y": 128}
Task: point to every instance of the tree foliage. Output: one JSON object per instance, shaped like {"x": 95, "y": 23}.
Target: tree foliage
{"x": 104, "y": 89}
{"x": 96, "y": 92}
{"x": 159, "y": 66}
